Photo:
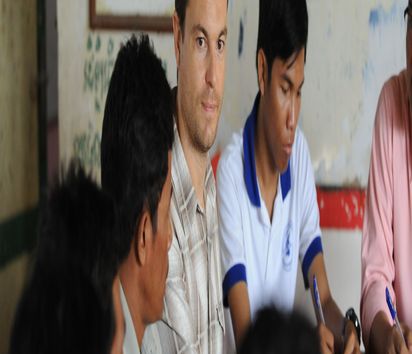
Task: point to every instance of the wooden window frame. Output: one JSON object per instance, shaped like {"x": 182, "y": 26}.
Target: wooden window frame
{"x": 125, "y": 22}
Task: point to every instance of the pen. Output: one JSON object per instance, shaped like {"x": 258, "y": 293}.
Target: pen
{"x": 394, "y": 315}
{"x": 317, "y": 300}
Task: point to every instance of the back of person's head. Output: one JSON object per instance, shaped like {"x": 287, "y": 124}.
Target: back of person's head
{"x": 61, "y": 311}
{"x": 78, "y": 228}
{"x": 283, "y": 29}
{"x": 137, "y": 135}
{"x": 67, "y": 306}
{"x": 275, "y": 332}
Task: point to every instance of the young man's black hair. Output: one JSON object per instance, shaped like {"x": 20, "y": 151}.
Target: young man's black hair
{"x": 275, "y": 332}
{"x": 60, "y": 311}
{"x": 77, "y": 227}
{"x": 67, "y": 306}
{"x": 137, "y": 135}
{"x": 283, "y": 29}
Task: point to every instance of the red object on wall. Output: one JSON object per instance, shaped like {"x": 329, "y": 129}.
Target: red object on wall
{"x": 339, "y": 207}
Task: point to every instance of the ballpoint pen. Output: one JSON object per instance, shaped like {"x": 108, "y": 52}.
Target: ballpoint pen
{"x": 394, "y": 315}
{"x": 317, "y": 300}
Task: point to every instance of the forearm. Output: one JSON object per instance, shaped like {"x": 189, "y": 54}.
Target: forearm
{"x": 239, "y": 311}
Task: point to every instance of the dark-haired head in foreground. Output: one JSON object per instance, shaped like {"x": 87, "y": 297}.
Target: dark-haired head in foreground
{"x": 275, "y": 332}
{"x": 68, "y": 305}
{"x": 136, "y": 147}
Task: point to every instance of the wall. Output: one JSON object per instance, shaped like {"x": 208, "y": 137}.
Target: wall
{"x": 18, "y": 146}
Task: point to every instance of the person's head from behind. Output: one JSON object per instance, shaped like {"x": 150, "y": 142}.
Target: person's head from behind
{"x": 136, "y": 147}
{"x": 77, "y": 229}
{"x": 61, "y": 311}
{"x": 200, "y": 31}
{"x": 280, "y": 59}
{"x": 275, "y": 332}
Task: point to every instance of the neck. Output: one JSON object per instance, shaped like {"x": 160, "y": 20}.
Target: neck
{"x": 129, "y": 277}
{"x": 266, "y": 171}
{"x": 196, "y": 160}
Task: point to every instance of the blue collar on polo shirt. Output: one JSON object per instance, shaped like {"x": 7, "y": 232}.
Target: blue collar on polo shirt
{"x": 249, "y": 164}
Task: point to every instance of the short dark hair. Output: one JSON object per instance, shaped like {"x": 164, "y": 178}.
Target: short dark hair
{"x": 276, "y": 332}
{"x": 78, "y": 228}
{"x": 67, "y": 306}
{"x": 283, "y": 29}
{"x": 137, "y": 135}
{"x": 60, "y": 311}
{"x": 180, "y": 8}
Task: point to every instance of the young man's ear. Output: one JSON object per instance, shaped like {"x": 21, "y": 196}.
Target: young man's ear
{"x": 177, "y": 34}
{"x": 143, "y": 237}
{"x": 262, "y": 71}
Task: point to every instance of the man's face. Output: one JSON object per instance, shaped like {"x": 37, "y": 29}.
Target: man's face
{"x": 157, "y": 259}
{"x": 409, "y": 52}
{"x": 280, "y": 104}
{"x": 200, "y": 56}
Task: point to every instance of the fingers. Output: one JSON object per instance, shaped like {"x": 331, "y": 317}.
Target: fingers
{"x": 407, "y": 333}
{"x": 326, "y": 339}
{"x": 350, "y": 345}
{"x": 398, "y": 342}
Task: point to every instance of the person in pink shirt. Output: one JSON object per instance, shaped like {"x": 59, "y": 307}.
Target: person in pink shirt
{"x": 387, "y": 227}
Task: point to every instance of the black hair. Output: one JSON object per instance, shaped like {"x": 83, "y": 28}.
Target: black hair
{"x": 283, "y": 29}
{"x": 180, "y": 8}
{"x": 137, "y": 135}
{"x": 276, "y": 332}
{"x": 60, "y": 311}
{"x": 78, "y": 228}
{"x": 67, "y": 306}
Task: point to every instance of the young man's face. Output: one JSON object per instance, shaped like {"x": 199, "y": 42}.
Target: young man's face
{"x": 200, "y": 56}
{"x": 157, "y": 258}
{"x": 280, "y": 104}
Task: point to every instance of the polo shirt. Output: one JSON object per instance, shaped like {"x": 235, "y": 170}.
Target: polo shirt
{"x": 262, "y": 252}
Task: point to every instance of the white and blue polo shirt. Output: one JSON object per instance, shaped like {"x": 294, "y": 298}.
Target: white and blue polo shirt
{"x": 262, "y": 252}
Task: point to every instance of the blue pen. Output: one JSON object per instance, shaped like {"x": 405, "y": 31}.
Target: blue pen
{"x": 317, "y": 300}
{"x": 394, "y": 315}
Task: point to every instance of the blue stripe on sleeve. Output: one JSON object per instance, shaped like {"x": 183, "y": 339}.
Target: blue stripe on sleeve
{"x": 312, "y": 251}
{"x": 234, "y": 275}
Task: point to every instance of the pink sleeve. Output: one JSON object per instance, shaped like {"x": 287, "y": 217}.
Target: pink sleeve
{"x": 377, "y": 241}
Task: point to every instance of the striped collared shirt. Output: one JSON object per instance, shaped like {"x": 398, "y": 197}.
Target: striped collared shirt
{"x": 193, "y": 314}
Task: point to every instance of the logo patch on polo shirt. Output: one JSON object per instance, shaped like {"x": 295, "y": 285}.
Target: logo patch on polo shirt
{"x": 287, "y": 249}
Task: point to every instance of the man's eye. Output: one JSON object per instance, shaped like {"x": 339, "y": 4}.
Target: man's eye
{"x": 220, "y": 44}
{"x": 200, "y": 42}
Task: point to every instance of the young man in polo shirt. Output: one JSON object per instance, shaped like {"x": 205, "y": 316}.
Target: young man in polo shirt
{"x": 268, "y": 213}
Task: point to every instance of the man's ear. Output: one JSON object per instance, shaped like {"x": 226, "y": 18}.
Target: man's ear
{"x": 262, "y": 71}
{"x": 143, "y": 237}
{"x": 177, "y": 35}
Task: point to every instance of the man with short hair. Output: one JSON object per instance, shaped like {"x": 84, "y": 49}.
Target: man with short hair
{"x": 193, "y": 315}
{"x": 268, "y": 213}
{"x": 137, "y": 138}
{"x": 387, "y": 226}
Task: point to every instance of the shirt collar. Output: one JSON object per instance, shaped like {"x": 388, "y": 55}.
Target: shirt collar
{"x": 249, "y": 165}
{"x": 130, "y": 343}
{"x": 183, "y": 189}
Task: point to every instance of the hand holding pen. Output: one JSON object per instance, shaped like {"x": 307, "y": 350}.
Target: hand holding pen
{"x": 394, "y": 315}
